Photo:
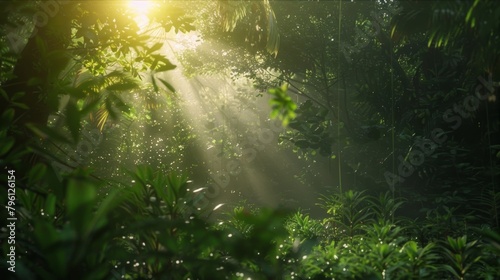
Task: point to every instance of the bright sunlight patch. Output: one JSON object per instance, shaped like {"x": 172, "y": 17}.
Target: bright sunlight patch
{"x": 140, "y": 10}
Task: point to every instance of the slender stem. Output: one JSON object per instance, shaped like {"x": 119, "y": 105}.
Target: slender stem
{"x": 338, "y": 99}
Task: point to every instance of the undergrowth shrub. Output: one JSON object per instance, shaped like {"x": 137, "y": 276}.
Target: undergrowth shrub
{"x": 151, "y": 229}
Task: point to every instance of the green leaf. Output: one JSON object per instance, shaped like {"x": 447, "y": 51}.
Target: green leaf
{"x": 110, "y": 111}
{"x": 119, "y": 104}
{"x": 163, "y": 63}
{"x": 17, "y": 95}
{"x": 144, "y": 173}
{"x": 6, "y": 146}
{"x": 154, "y": 48}
{"x": 50, "y": 204}
{"x": 452, "y": 271}
{"x": 45, "y": 234}
{"x": 282, "y": 105}
{"x": 274, "y": 113}
{"x": 273, "y": 36}
{"x": 4, "y": 95}
{"x": 153, "y": 81}
{"x": 90, "y": 106}
{"x": 166, "y": 67}
{"x": 469, "y": 13}
{"x": 167, "y": 85}
{"x": 37, "y": 172}
{"x": 79, "y": 195}
{"x": 123, "y": 86}
{"x": 47, "y": 132}
{"x": 284, "y": 88}
{"x": 110, "y": 202}
{"x": 20, "y": 105}
{"x": 49, "y": 240}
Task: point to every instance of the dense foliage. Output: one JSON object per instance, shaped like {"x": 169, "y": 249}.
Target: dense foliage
{"x": 393, "y": 104}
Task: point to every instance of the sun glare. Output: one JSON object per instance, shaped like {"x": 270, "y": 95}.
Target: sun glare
{"x": 140, "y": 10}
{"x": 140, "y": 7}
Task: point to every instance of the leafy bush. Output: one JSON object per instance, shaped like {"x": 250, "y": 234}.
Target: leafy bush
{"x": 81, "y": 227}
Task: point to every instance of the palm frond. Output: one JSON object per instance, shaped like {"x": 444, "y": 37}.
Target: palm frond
{"x": 273, "y": 35}
{"x": 233, "y": 13}
{"x": 100, "y": 117}
{"x": 104, "y": 88}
